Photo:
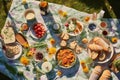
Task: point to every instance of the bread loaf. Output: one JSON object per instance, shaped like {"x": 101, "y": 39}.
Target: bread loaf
{"x": 96, "y": 73}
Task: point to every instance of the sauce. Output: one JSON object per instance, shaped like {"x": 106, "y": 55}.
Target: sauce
{"x": 105, "y": 32}
{"x": 103, "y": 24}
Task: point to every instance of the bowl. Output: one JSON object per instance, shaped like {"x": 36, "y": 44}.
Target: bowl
{"x": 92, "y": 27}
{"x": 73, "y": 26}
{"x": 108, "y": 55}
{"x": 46, "y": 67}
{"x": 103, "y": 24}
{"x": 38, "y": 31}
{"x": 65, "y": 57}
{"x": 29, "y": 14}
{"x": 13, "y": 51}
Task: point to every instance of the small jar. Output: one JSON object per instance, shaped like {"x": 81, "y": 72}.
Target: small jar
{"x": 44, "y": 7}
{"x": 56, "y": 28}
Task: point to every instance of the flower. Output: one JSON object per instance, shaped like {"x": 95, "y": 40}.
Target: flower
{"x": 59, "y": 73}
{"x": 24, "y": 60}
{"x": 52, "y": 50}
{"x": 114, "y": 39}
{"x": 26, "y": 45}
{"x": 52, "y": 41}
{"x": 30, "y": 53}
{"x": 62, "y": 13}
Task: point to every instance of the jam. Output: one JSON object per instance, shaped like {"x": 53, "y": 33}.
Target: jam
{"x": 92, "y": 26}
{"x": 103, "y": 24}
{"x": 104, "y": 32}
{"x": 39, "y": 56}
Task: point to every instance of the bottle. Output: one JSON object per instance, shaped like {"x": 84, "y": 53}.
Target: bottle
{"x": 44, "y": 7}
{"x": 84, "y": 66}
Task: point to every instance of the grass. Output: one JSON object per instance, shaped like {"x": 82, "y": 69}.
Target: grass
{"x": 2, "y": 13}
{"x": 88, "y": 6}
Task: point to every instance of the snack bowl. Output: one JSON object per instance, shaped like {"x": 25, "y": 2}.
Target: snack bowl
{"x": 65, "y": 57}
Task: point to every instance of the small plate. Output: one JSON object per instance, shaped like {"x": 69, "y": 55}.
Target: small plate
{"x": 78, "y": 26}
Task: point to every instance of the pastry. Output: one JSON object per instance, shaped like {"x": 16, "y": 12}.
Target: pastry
{"x": 64, "y": 36}
{"x": 101, "y": 43}
{"x": 95, "y": 47}
{"x": 96, "y": 73}
{"x": 105, "y": 75}
{"x": 73, "y": 44}
{"x": 63, "y": 43}
{"x": 94, "y": 55}
{"x": 78, "y": 49}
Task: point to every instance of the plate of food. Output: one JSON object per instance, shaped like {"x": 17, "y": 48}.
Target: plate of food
{"x": 13, "y": 51}
{"x": 100, "y": 50}
{"x": 65, "y": 57}
{"x": 73, "y": 26}
{"x": 38, "y": 31}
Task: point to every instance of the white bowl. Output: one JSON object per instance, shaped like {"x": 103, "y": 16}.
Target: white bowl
{"x": 29, "y": 14}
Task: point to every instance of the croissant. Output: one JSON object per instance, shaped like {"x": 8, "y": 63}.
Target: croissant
{"x": 101, "y": 43}
{"x": 95, "y": 47}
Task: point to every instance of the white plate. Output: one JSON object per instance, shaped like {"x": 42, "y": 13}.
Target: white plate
{"x": 32, "y": 33}
{"x": 17, "y": 55}
{"x": 108, "y": 57}
{"x": 72, "y": 33}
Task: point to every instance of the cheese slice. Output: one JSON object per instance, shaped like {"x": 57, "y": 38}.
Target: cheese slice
{"x": 8, "y": 35}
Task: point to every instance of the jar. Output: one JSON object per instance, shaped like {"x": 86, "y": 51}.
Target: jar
{"x": 44, "y": 7}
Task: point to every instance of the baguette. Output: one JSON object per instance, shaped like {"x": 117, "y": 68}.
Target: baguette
{"x": 21, "y": 39}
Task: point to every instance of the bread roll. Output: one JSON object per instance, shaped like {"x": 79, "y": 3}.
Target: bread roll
{"x": 105, "y": 75}
{"x": 101, "y": 43}
{"x": 96, "y": 73}
{"x": 95, "y": 47}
